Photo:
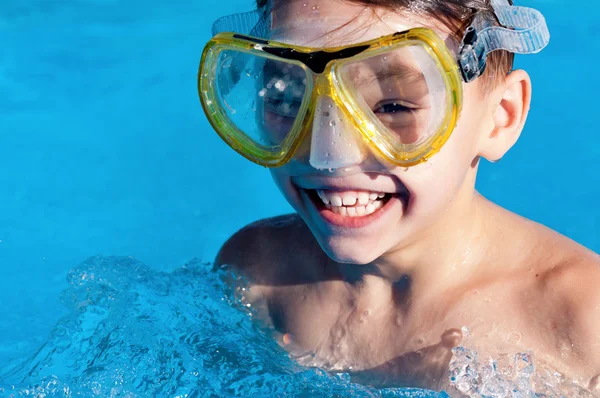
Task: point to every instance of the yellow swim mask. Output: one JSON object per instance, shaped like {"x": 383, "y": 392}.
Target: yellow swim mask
{"x": 399, "y": 95}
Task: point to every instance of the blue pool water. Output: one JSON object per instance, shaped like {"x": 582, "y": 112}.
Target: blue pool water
{"x": 104, "y": 151}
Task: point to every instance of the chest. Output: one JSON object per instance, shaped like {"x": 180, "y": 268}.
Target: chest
{"x": 337, "y": 333}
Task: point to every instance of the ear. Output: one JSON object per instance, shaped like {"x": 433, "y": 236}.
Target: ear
{"x": 511, "y": 102}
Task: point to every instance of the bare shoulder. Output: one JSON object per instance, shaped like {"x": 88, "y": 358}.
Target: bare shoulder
{"x": 573, "y": 272}
{"x": 556, "y": 286}
{"x": 264, "y": 250}
{"x": 570, "y": 286}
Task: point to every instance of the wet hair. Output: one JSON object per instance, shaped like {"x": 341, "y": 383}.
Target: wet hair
{"x": 456, "y": 15}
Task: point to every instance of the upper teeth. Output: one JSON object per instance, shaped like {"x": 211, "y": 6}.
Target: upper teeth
{"x": 349, "y": 198}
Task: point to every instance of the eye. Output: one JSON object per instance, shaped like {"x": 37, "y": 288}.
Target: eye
{"x": 393, "y": 107}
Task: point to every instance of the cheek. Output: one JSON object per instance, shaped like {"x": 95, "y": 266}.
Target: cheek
{"x": 432, "y": 187}
{"x": 434, "y": 184}
{"x": 282, "y": 179}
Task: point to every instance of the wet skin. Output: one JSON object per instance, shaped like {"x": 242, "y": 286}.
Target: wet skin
{"x": 386, "y": 299}
{"x": 387, "y": 333}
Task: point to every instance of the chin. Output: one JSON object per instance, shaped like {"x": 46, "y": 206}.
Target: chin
{"x": 349, "y": 251}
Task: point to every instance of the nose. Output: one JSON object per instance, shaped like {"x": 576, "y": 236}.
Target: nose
{"x": 335, "y": 143}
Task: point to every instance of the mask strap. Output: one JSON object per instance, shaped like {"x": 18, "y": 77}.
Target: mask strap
{"x": 255, "y": 23}
{"x": 523, "y": 31}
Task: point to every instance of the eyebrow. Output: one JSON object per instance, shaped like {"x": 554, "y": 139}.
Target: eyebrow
{"x": 401, "y": 71}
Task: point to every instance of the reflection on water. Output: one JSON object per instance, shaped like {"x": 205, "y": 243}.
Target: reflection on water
{"x": 132, "y": 331}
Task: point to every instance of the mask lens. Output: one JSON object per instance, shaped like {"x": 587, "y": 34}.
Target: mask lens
{"x": 260, "y": 96}
{"x": 403, "y": 91}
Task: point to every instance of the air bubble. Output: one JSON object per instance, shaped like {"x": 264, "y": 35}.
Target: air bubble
{"x": 280, "y": 85}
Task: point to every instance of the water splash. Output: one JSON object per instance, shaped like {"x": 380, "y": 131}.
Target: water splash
{"x": 132, "y": 331}
{"x": 516, "y": 376}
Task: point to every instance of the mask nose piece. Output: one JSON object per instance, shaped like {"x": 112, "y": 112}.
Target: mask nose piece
{"x": 334, "y": 142}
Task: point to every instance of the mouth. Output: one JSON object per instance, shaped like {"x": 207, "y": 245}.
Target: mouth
{"x": 354, "y": 208}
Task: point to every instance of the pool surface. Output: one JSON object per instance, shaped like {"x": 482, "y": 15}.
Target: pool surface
{"x": 105, "y": 152}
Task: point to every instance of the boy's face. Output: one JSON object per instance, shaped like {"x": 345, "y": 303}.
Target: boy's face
{"x": 421, "y": 196}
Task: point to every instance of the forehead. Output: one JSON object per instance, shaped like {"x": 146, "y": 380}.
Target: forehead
{"x": 329, "y": 23}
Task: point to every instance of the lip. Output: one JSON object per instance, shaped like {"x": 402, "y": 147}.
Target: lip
{"x": 346, "y": 222}
{"x": 362, "y": 182}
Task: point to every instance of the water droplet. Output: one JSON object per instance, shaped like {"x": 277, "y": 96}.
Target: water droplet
{"x": 287, "y": 339}
{"x": 514, "y": 337}
{"x": 332, "y": 123}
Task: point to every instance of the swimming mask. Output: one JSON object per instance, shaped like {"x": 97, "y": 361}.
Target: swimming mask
{"x": 398, "y": 96}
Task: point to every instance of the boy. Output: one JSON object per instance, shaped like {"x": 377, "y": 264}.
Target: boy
{"x": 374, "y": 137}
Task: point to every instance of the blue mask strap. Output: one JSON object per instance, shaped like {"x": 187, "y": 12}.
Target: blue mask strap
{"x": 255, "y": 23}
{"x": 522, "y": 31}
